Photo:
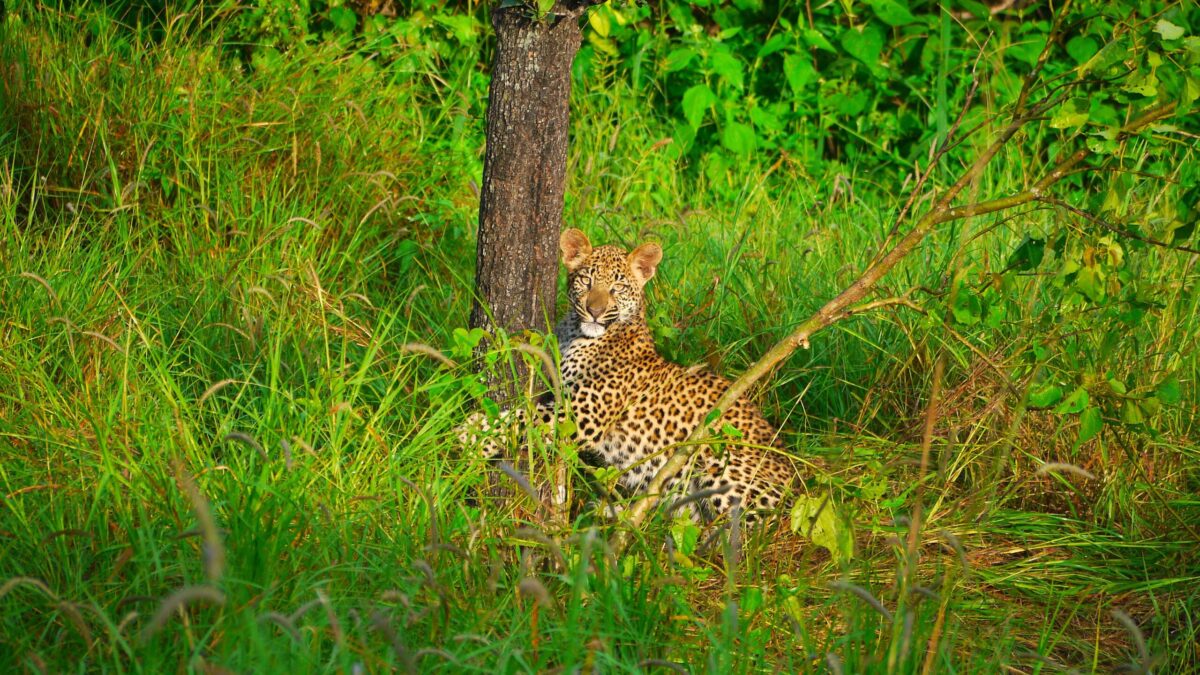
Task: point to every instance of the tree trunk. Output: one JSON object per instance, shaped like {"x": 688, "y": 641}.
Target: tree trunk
{"x": 524, "y": 170}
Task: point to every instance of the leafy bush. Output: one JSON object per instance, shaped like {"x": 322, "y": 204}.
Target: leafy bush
{"x": 225, "y": 232}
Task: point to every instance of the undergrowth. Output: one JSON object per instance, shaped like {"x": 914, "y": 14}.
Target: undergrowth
{"x": 224, "y": 446}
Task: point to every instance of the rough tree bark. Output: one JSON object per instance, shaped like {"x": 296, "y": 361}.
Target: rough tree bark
{"x": 524, "y": 169}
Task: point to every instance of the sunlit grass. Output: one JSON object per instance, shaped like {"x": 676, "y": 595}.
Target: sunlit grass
{"x": 207, "y": 281}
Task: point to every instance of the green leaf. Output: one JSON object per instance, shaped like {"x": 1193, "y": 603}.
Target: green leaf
{"x": 567, "y": 428}
{"x": 764, "y": 118}
{"x": 851, "y": 104}
{"x": 1028, "y": 255}
{"x": 1041, "y": 352}
{"x": 1028, "y": 49}
{"x": 464, "y": 341}
{"x": 679, "y": 59}
{"x": 892, "y": 12}
{"x": 343, "y": 18}
{"x": 407, "y": 252}
{"x": 1073, "y": 113}
{"x": 544, "y": 7}
{"x": 1168, "y": 30}
{"x": 490, "y": 408}
{"x": 728, "y": 68}
{"x": 1183, "y": 232}
{"x": 712, "y": 416}
{"x": 814, "y": 38}
{"x": 1081, "y": 48}
{"x": 752, "y": 599}
{"x": 1106, "y": 115}
{"x": 1046, "y": 396}
{"x": 683, "y": 136}
{"x": 1074, "y": 403}
{"x": 995, "y": 313}
{"x": 776, "y": 43}
{"x": 473, "y": 386}
{"x": 1110, "y": 54}
{"x": 1101, "y": 145}
{"x": 603, "y": 44}
{"x": 730, "y": 431}
{"x": 1169, "y": 391}
{"x": 600, "y": 22}
{"x": 1090, "y": 424}
{"x": 1192, "y": 44}
{"x": 814, "y": 517}
{"x": 1090, "y": 282}
{"x": 1131, "y": 414}
{"x": 738, "y": 138}
{"x": 464, "y": 29}
{"x": 873, "y": 486}
{"x": 686, "y": 534}
{"x": 1150, "y": 405}
{"x": 967, "y": 308}
{"x": 799, "y": 71}
{"x": 865, "y": 45}
{"x": 1142, "y": 83}
{"x": 696, "y": 102}
{"x": 977, "y": 10}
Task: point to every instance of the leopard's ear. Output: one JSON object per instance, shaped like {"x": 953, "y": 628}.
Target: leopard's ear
{"x": 575, "y": 248}
{"x": 644, "y": 261}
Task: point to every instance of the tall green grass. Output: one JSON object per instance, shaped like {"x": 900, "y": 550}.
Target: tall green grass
{"x": 216, "y": 450}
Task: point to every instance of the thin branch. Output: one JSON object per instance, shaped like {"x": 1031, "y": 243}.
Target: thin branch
{"x": 880, "y": 304}
{"x": 837, "y": 308}
{"x": 1113, "y": 228}
{"x": 945, "y": 146}
{"x": 1027, "y": 85}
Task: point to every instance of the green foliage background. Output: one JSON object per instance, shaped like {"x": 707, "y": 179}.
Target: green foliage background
{"x": 223, "y": 226}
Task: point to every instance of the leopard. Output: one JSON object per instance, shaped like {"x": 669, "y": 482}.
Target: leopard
{"x": 631, "y": 407}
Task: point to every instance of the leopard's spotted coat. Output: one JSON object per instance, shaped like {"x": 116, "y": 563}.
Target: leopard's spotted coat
{"x": 631, "y": 406}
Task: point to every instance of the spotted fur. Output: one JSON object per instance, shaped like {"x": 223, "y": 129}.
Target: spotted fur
{"x": 632, "y": 407}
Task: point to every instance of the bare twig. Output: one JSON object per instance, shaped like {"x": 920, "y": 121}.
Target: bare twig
{"x": 1113, "y": 228}
{"x": 945, "y": 146}
{"x": 1027, "y": 85}
{"x": 880, "y": 304}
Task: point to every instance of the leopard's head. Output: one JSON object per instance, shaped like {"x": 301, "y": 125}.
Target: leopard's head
{"x": 605, "y": 283}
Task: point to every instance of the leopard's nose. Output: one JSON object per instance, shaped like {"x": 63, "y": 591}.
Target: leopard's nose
{"x": 597, "y": 303}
